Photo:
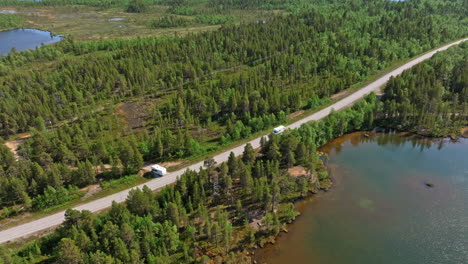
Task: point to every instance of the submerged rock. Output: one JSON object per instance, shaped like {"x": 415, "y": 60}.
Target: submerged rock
{"x": 429, "y": 184}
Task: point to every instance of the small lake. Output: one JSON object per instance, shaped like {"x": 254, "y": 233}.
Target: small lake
{"x": 23, "y": 39}
{"x": 380, "y": 210}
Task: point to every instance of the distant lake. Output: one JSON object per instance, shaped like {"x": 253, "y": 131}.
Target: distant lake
{"x": 23, "y": 39}
{"x": 380, "y": 209}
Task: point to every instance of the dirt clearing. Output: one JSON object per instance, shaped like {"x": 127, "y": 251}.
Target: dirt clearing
{"x": 136, "y": 113}
{"x": 14, "y": 144}
{"x": 297, "y": 171}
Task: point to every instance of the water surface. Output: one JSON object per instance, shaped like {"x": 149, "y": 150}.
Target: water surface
{"x": 380, "y": 210}
{"x": 23, "y": 39}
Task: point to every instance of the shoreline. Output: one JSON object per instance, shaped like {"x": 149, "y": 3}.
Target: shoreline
{"x": 327, "y": 148}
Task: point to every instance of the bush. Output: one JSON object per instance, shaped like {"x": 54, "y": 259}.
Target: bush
{"x": 316, "y": 102}
{"x": 127, "y": 180}
{"x": 170, "y": 21}
{"x": 52, "y": 197}
{"x": 214, "y": 19}
{"x": 183, "y": 11}
{"x": 136, "y": 6}
{"x": 10, "y": 21}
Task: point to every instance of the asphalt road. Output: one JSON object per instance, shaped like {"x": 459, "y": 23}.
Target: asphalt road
{"x": 54, "y": 220}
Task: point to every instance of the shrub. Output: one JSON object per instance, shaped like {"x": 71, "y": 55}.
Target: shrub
{"x": 170, "y": 21}
{"x": 214, "y": 19}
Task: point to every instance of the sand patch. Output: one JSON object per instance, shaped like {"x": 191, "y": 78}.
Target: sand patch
{"x": 13, "y": 145}
{"x": 169, "y": 164}
{"x": 464, "y": 132}
{"x": 90, "y": 190}
{"x": 296, "y": 114}
{"x": 339, "y": 95}
{"x": 297, "y": 171}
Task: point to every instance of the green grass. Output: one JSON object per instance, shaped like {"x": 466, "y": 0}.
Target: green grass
{"x": 111, "y": 187}
{"x": 92, "y": 23}
{"x": 10, "y": 21}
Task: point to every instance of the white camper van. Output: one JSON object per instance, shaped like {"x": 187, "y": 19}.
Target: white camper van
{"x": 158, "y": 170}
{"x": 278, "y": 130}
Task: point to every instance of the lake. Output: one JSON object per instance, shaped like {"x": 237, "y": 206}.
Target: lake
{"x": 23, "y": 39}
{"x": 380, "y": 209}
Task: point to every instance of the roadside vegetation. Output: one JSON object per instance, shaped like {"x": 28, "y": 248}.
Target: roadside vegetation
{"x": 211, "y": 215}
{"x": 432, "y": 97}
{"x": 203, "y": 91}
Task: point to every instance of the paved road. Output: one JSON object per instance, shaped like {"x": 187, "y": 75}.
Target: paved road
{"x": 51, "y": 221}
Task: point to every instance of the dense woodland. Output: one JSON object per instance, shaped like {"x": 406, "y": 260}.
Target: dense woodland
{"x": 432, "y": 97}
{"x": 211, "y": 214}
{"x": 230, "y": 84}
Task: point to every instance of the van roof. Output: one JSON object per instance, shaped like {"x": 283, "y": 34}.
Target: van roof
{"x": 157, "y": 167}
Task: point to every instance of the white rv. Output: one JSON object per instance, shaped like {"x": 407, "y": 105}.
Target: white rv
{"x": 278, "y": 130}
{"x": 158, "y": 170}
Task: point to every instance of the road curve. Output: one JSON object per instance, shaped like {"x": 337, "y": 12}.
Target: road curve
{"x": 56, "y": 219}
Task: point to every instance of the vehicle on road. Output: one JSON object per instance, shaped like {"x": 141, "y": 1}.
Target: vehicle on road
{"x": 158, "y": 170}
{"x": 38, "y": 225}
{"x": 279, "y": 130}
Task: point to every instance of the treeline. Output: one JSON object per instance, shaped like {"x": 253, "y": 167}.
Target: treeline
{"x": 8, "y": 21}
{"x": 287, "y": 59}
{"x": 208, "y": 215}
{"x": 176, "y": 21}
{"x": 432, "y": 97}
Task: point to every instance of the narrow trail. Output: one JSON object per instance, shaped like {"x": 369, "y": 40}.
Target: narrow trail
{"x": 56, "y": 219}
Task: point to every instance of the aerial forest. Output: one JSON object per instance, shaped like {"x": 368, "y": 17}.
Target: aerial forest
{"x": 210, "y": 215}
{"x": 207, "y": 90}
{"x": 432, "y": 97}
{"x": 90, "y": 112}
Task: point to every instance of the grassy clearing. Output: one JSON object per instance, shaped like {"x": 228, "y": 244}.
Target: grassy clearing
{"x": 110, "y": 187}
{"x": 9, "y": 21}
{"x": 90, "y": 23}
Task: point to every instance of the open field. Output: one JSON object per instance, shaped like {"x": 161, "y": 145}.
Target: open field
{"x": 90, "y": 23}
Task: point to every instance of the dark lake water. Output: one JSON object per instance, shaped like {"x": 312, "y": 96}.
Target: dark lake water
{"x": 380, "y": 210}
{"x": 23, "y": 39}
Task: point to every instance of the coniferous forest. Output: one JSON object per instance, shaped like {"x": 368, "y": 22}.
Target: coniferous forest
{"x": 228, "y": 84}
{"x": 432, "y": 97}
{"x": 207, "y": 91}
{"x": 208, "y": 215}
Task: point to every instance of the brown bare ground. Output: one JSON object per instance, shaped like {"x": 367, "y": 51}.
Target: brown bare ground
{"x": 14, "y": 144}
{"x": 296, "y": 114}
{"x": 11, "y": 220}
{"x": 339, "y": 95}
{"x": 464, "y": 132}
{"x": 169, "y": 164}
{"x": 136, "y": 113}
{"x": 297, "y": 171}
{"x": 90, "y": 190}
{"x": 204, "y": 132}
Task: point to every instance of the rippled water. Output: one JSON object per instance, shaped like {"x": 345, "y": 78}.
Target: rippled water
{"x": 22, "y": 39}
{"x": 380, "y": 210}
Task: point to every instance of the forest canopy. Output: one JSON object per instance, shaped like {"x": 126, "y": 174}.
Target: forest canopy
{"x": 432, "y": 97}
{"x": 205, "y": 90}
